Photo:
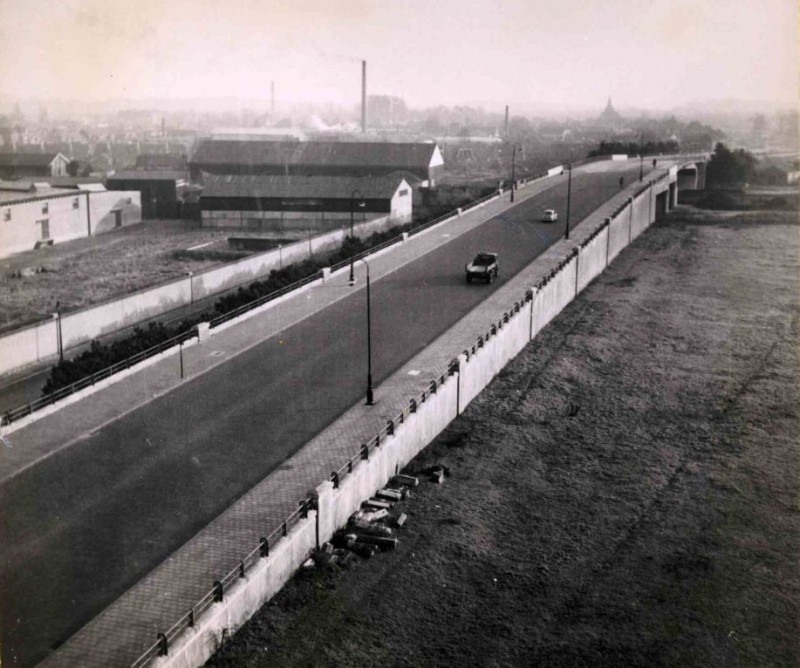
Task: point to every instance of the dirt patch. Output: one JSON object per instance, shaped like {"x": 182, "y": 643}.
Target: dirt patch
{"x": 624, "y": 494}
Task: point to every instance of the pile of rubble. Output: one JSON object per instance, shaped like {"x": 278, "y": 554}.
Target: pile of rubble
{"x": 372, "y": 529}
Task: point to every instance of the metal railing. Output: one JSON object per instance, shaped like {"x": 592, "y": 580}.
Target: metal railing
{"x": 18, "y": 413}
{"x": 217, "y": 591}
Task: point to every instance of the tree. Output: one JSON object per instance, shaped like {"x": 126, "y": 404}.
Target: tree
{"x": 730, "y": 168}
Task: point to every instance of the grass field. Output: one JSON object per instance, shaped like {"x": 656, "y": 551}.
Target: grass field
{"x": 625, "y": 493}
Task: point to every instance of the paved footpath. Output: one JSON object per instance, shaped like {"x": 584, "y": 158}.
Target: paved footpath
{"x": 129, "y": 626}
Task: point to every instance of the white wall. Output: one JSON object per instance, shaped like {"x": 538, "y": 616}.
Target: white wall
{"x": 102, "y": 205}
{"x": 66, "y": 219}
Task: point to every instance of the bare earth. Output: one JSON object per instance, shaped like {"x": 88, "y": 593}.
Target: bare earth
{"x": 624, "y": 494}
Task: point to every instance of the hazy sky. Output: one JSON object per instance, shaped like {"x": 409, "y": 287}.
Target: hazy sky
{"x": 645, "y": 53}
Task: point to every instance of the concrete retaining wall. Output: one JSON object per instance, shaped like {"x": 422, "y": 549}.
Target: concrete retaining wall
{"x": 640, "y": 218}
{"x": 244, "y": 599}
{"x": 592, "y": 258}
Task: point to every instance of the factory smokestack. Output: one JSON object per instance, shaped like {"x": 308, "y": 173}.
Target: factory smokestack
{"x": 272, "y": 90}
{"x": 506, "y": 122}
{"x": 363, "y": 96}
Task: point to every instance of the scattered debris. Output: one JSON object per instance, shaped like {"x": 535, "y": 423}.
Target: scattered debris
{"x": 375, "y": 503}
{"x": 389, "y": 494}
{"x": 407, "y": 480}
{"x": 401, "y": 520}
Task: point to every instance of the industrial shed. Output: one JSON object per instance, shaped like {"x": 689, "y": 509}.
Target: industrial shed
{"x": 158, "y": 189}
{"x": 420, "y": 161}
{"x": 302, "y": 202}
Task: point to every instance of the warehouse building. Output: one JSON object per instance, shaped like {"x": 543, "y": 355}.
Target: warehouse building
{"x": 35, "y": 215}
{"x": 269, "y": 203}
{"x": 422, "y": 163}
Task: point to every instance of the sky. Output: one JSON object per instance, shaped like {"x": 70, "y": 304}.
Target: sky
{"x": 647, "y": 54}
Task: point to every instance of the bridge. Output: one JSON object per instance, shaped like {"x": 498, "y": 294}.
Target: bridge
{"x": 140, "y": 509}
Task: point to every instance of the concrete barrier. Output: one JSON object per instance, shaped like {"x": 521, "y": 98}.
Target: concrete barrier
{"x": 592, "y": 258}
{"x": 258, "y": 586}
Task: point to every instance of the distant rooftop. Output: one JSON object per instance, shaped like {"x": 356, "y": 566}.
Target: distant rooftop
{"x": 27, "y": 159}
{"x": 15, "y": 192}
{"x": 147, "y": 175}
{"x": 345, "y": 154}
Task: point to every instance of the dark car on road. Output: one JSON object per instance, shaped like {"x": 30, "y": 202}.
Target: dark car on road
{"x": 484, "y": 267}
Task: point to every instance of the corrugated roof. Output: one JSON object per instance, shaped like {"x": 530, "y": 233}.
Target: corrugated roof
{"x": 39, "y": 193}
{"x": 147, "y": 175}
{"x": 27, "y": 159}
{"x": 356, "y": 154}
{"x": 327, "y": 187}
{"x": 17, "y": 186}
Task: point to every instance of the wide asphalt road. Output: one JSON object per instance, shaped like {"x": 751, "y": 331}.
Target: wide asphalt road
{"x": 85, "y": 524}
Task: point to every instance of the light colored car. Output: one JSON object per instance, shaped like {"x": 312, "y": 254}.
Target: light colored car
{"x": 550, "y": 216}
{"x": 485, "y": 267}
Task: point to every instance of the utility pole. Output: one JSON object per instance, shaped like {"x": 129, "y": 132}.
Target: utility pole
{"x": 513, "y": 162}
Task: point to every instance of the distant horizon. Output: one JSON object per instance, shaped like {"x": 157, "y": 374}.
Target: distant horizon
{"x": 222, "y": 104}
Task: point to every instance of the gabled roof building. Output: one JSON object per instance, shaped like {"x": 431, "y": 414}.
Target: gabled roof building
{"x": 420, "y": 161}
{"x": 18, "y": 165}
{"x": 258, "y": 202}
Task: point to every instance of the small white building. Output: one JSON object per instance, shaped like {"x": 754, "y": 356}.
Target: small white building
{"x": 33, "y": 215}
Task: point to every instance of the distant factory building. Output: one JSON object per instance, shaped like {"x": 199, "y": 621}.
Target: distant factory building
{"x": 161, "y": 161}
{"x": 23, "y": 165}
{"x": 158, "y": 190}
{"x": 303, "y": 202}
{"x": 421, "y": 163}
{"x": 34, "y": 215}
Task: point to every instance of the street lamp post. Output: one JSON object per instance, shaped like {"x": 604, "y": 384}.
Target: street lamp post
{"x": 569, "y": 196}
{"x": 641, "y": 157}
{"x": 370, "y": 395}
{"x": 58, "y": 333}
{"x": 352, "y": 237}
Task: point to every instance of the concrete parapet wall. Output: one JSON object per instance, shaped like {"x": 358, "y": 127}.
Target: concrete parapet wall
{"x": 259, "y": 585}
{"x": 593, "y": 258}
{"x": 640, "y": 216}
